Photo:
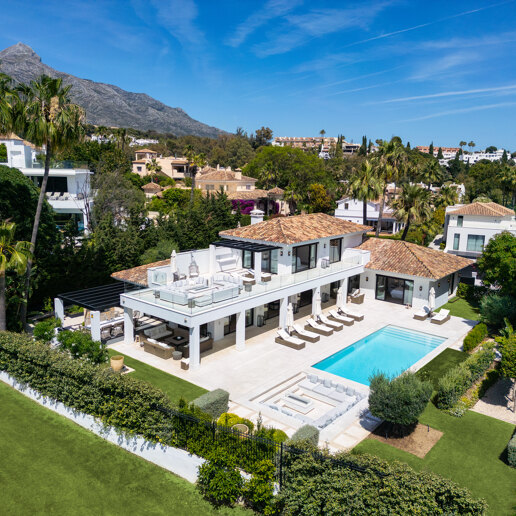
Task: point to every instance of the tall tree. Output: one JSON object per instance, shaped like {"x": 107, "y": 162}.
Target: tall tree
{"x": 365, "y": 185}
{"x": 413, "y": 206}
{"x": 448, "y": 196}
{"x": 471, "y": 145}
{"x": 7, "y": 97}
{"x": 430, "y": 172}
{"x": 48, "y": 119}
{"x": 153, "y": 167}
{"x": 13, "y": 255}
{"x": 462, "y": 143}
{"x": 431, "y": 149}
{"x": 195, "y": 161}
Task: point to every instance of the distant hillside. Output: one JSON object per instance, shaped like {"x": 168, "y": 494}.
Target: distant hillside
{"x": 106, "y": 104}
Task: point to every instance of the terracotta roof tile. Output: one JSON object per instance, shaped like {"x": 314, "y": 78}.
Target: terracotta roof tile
{"x": 484, "y": 209}
{"x": 276, "y": 191}
{"x": 222, "y": 175}
{"x": 412, "y": 259}
{"x": 247, "y": 194}
{"x": 151, "y": 187}
{"x": 138, "y": 275}
{"x": 145, "y": 150}
{"x": 292, "y": 230}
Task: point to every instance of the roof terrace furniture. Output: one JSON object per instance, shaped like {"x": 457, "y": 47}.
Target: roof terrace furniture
{"x": 205, "y": 344}
{"x": 321, "y": 329}
{"x": 156, "y": 348}
{"x": 344, "y": 319}
{"x": 422, "y": 314}
{"x": 105, "y": 333}
{"x": 349, "y": 312}
{"x": 288, "y": 340}
{"x": 159, "y": 332}
{"x": 337, "y": 326}
{"x": 441, "y": 317}
{"x": 309, "y": 336}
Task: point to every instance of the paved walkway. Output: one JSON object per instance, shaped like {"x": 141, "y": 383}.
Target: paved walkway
{"x": 498, "y": 402}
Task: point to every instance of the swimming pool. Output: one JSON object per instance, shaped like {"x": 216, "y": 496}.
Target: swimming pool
{"x": 390, "y": 350}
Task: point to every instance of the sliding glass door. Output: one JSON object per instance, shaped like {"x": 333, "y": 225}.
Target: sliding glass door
{"x": 394, "y": 290}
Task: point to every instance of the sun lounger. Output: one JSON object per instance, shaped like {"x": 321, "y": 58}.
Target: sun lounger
{"x": 337, "y": 326}
{"x": 309, "y": 336}
{"x": 422, "y": 314}
{"x": 344, "y": 319}
{"x": 441, "y": 317}
{"x": 321, "y": 329}
{"x": 288, "y": 340}
{"x": 349, "y": 312}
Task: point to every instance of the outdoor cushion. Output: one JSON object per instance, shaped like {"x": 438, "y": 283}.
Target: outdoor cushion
{"x": 312, "y": 378}
{"x": 327, "y": 383}
{"x": 340, "y": 388}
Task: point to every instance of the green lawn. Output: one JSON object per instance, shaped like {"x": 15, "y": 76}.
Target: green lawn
{"x": 472, "y": 451}
{"x": 462, "y": 308}
{"x": 172, "y": 386}
{"x": 52, "y": 466}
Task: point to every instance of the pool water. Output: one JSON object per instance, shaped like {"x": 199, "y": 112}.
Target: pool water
{"x": 390, "y": 350}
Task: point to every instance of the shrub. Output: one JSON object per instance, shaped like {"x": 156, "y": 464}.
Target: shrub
{"x": 258, "y": 492}
{"x": 80, "y": 345}
{"x": 400, "y": 400}
{"x": 213, "y": 403}
{"x": 44, "y": 330}
{"x": 229, "y": 419}
{"x": 279, "y": 436}
{"x": 458, "y": 380}
{"x": 307, "y": 433}
{"x": 219, "y": 481}
{"x": 511, "y": 451}
{"x": 494, "y": 309}
{"x": 474, "y": 337}
{"x": 471, "y": 293}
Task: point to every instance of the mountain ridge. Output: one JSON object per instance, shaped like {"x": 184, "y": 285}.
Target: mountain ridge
{"x": 106, "y": 104}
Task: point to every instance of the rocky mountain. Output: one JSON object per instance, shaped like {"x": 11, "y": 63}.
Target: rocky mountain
{"x": 106, "y": 104}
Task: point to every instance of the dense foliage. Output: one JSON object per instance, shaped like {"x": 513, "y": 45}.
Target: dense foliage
{"x": 495, "y": 309}
{"x": 400, "y": 400}
{"x": 80, "y": 345}
{"x": 306, "y": 433}
{"x": 474, "y": 337}
{"x": 213, "y": 403}
{"x": 511, "y": 451}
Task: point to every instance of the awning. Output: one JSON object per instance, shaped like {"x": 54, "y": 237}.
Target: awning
{"x": 245, "y": 246}
{"x": 96, "y": 298}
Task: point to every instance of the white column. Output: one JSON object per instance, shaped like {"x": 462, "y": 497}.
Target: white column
{"x": 240, "y": 331}
{"x": 315, "y": 291}
{"x": 95, "y": 325}
{"x": 59, "y": 309}
{"x": 258, "y": 266}
{"x": 128, "y": 326}
{"x": 85, "y": 222}
{"x": 195, "y": 347}
{"x": 212, "y": 259}
{"x": 344, "y": 285}
{"x": 283, "y": 312}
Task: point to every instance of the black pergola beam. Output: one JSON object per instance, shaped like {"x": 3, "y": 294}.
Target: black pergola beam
{"x": 245, "y": 246}
{"x": 96, "y": 298}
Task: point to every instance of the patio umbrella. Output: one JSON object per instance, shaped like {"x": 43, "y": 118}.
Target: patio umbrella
{"x": 431, "y": 299}
{"x": 289, "y": 321}
{"x": 341, "y": 299}
{"x": 173, "y": 264}
{"x": 317, "y": 310}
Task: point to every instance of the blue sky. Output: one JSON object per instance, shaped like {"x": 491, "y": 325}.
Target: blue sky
{"x": 426, "y": 71}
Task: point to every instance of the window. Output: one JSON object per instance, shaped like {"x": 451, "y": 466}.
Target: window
{"x": 139, "y": 169}
{"x": 248, "y": 187}
{"x": 346, "y": 206}
{"x": 475, "y": 243}
{"x": 335, "y": 250}
{"x": 210, "y": 187}
{"x": 270, "y": 261}
{"x": 247, "y": 259}
{"x": 460, "y": 221}
{"x": 456, "y": 241}
{"x": 304, "y": 257}
{"x": 394, "y": 290}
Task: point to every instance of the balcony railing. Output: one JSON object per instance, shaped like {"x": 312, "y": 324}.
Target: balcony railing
{"x": 54, "y": 164}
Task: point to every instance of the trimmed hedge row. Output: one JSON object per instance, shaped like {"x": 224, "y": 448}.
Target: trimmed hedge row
{"x": 213, "y": 403}
{"x": 459, "y": 379}
{"x": 307, "y": 433}
{"x": 511, "y": 451}
{"x": 474, "y": 337}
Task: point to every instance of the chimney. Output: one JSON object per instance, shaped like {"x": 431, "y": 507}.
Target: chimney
{"x": 218, "y": 166}
{"x": 256, "y": 216}
{"x": 238, "y": 174}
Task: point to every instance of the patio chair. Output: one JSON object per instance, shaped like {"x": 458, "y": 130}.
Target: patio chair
{"x": 441, "y": 317}
{"x": 357, "y": 297}
{"x": 287, "y": 340}
{"x": 344, "y": 319}
{"x": 337, "y": 326}
{"x": 105, "y": 333}
{"x": 321, "y": 329}
{"x": 422, "y": 314}
{"x": 117, "y": 330}
{"x": 349, "y": 312}
{"x": 309, "y": 336}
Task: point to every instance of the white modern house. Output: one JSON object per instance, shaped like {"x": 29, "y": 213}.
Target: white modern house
{"x": 475, "y": 157}
{"x": 68, "y": 187}
{"x": 469, "y": 227}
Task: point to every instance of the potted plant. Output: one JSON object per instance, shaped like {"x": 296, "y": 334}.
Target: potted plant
{"x": 117, "y": 363}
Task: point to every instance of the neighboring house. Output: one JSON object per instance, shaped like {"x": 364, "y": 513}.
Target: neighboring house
{"x": 403, "y": 273}
{"x": 309, "y": 142}
{"x": 68, "y": 188}
{"x": 151, "y": 189}
{"x": 475, "y": 157}
{"x": 469, "y": 227}
{"x": 215, "y": 179}
{"x": 171, "y": 166}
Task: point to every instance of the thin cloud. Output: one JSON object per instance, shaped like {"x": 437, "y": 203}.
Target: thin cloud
{"x": 482, "y": 41}
{"x": 461, "y": 111}
{"x": 272, "y": 9}
{"x": 432, "y": 68}
{"x": 448, "y": 94}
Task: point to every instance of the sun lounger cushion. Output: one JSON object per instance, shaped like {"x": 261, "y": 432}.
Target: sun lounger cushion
{"x": 313, "y": 378}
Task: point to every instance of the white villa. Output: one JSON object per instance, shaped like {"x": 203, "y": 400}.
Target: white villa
{"x": 68, "y": 187}
{"x": 469, "y": 227}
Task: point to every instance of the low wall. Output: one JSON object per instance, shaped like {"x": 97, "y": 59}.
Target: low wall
{"x": 177, "y": 461}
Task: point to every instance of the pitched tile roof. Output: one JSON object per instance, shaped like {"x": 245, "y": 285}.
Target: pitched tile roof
{"x": 412, "y": 259}
{"x": 276, "y": 191}
{"x": 151, "y": 187}
{"x": 222, "y": 175}
{"x": 145, "y": 150}
{"x": 247, "y": 194}
{"x": 138, "y": 275}
{"x": 484, "y": 209}
{"x": 292, "y": 230}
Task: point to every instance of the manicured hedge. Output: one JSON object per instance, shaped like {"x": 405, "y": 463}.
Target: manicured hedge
{"x": 459, "y": 379}
{"x": 474, "y": 337}
{"x": 307, "y": 433}
{"x": 511, "y": 451}
{"x": 213, "y": 403}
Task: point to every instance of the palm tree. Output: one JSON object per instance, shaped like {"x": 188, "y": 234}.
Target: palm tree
{"x": 507, "y": 177}
{"x": 13, "y": 255}
{"x": 195, "y": 161}
{"x": 471, "y": 145}
{"x": 430, "y": 173}
{"x": 365, "y": 185}
{"x": 292, "y": 196}
{"x": 322, "y": 132}
{"x": 462, "y": 143}
{"x": 48, "y": 119}
{"x": 153, "y": 167}
{"x": 7, "y": 98}
{"x": 448, "y": 196}
{"x": 390, "y": 164}
{"x": 412, "y": 207}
